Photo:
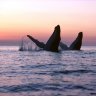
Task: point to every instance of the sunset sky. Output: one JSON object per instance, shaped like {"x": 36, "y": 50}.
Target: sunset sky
{"x": 39, "y": 17}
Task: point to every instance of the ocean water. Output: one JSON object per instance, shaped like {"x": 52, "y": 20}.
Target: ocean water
{"x": 42, "y": 73}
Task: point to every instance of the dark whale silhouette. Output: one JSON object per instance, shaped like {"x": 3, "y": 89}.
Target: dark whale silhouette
{"x": 53, "y": 42}
{"x": 38, "y": 43}
{"x": 76, "y": 45}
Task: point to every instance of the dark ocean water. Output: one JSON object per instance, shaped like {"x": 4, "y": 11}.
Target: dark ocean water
{"x": 42, "y": 73}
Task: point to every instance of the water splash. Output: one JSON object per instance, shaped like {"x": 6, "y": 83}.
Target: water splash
{"x": 28, "y": 45}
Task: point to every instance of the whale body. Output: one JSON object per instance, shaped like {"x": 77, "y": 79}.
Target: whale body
{"x": 76, "y": 44}
{"x": 53, "y": 42}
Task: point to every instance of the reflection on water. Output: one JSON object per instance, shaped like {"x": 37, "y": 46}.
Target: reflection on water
{"x": 42, "y": 73}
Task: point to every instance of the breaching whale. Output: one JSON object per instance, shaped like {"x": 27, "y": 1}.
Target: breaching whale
{"x": 53, "y": 42}
{"x": 76, "y": 44}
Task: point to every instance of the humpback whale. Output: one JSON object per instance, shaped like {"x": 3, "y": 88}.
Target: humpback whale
{"x": 76, "y": 45}
{"x": 53, "y": 42}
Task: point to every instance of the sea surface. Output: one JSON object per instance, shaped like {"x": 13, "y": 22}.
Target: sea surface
{"x": 43, "y": 73}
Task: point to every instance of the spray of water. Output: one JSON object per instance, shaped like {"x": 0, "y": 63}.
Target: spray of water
{"x": 28, "y": 45}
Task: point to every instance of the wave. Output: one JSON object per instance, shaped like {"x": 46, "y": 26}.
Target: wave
{"x": 43, "y": 86}
{"x": 74, "y": 71}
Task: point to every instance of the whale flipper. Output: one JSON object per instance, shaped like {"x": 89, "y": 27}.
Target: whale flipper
{"x": 63, "y": 46}
{"x": 53, "y": 42}
{"x": 39, "y": 44}
{"x": 76, "y": 45}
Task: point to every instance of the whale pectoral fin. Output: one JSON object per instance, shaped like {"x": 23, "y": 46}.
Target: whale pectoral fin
{"x": 39, "y": 44}
{"x": 54, "y": 40}
{"x": 76, "y": 45}
{"x": 63, "y": 46}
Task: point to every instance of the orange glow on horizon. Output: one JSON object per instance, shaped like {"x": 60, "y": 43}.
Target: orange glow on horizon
{"x": 38, "y": 18}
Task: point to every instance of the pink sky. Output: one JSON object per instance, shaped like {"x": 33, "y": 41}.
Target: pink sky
{"x": 39, "y": 17}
